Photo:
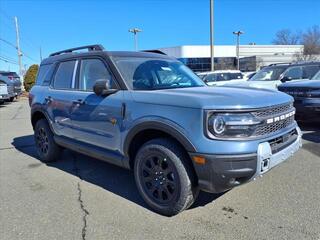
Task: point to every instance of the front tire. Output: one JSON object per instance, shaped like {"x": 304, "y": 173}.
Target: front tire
{"x": 164, "y": 178}
{"x": 47, "y": 149}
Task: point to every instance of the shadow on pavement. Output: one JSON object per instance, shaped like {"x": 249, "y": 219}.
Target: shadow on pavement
{"x": 312, "y": 135}
{"x": 112, "y": 178}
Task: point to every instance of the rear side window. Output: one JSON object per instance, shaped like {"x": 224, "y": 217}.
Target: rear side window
{"x": 44, "y": 74}
{"x": 64, "y": 74}
{"x": 310, "y": 71}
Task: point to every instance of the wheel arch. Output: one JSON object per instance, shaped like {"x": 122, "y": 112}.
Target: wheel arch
{"x": 146, "y": 131}
{"x": 36, "y": 115}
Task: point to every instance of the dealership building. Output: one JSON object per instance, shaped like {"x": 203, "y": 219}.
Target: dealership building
{"x": 252, "y": 57}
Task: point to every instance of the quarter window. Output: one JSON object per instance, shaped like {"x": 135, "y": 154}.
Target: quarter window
{"x": 92, "y": 70}
{"x": 64, "y": 74}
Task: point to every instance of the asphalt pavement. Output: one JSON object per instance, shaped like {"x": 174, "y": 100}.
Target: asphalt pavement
{"x": 79, "y": 197}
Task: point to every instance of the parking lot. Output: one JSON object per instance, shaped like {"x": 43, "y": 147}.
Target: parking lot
{"x": 79, "y": 197}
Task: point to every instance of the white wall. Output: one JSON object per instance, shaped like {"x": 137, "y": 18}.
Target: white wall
{"x": 268, "y": 54}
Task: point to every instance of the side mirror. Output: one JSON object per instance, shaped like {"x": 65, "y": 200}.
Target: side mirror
{"x": 101, "y": 88}
{"x": 285, "y": 79}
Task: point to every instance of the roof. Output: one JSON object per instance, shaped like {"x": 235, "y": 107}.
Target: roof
{"x": 71, "y": 55}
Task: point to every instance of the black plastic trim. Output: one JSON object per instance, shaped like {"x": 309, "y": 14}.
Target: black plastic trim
{"x": 90, "y": 150}
{"x": 157, "y": 125}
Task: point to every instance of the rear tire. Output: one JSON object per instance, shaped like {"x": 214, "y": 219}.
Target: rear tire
{"x": 11, "y": 99}
{"x": 164, "y": 178}
{"x": 47, "y": 149}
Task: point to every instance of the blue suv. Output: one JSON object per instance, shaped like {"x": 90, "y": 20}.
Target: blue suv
{"x": 148, "y": 112}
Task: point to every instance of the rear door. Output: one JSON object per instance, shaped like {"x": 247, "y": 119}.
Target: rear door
{"x": 59, "y": 98}
{"x": 97, "y": 120}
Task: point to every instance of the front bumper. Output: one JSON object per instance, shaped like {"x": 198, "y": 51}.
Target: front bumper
{"x": 223, "y": 172}
{"x": 307, "y": 108}
{"x": 4, "y": 97}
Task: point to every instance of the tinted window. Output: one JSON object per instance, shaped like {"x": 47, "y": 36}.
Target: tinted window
{"x": 293, "y": 73}
{"x": 63, "y": 76}
{"x": 43, "y": 74}
{"x": 268, "y": 74}
{"x": 92, "y": 70}
{"x": 223, "y": 77}
{"x": 310, "y": 71}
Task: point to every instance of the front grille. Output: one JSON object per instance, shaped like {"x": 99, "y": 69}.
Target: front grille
{"x": 273, "y": 110}
{"x": 266, "y": 129}
{"x": 274, "y": 119}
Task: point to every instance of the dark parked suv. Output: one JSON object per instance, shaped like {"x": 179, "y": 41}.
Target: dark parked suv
{"x": 306, "y": 94}
{"x": 13, "y": 82}
{"x": 150, "y": 113}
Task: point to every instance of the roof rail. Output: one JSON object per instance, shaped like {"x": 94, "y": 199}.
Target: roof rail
{"x": 154, "y": 51}
{"x": 275, "y": 64}
{"x": 96, "y": 47}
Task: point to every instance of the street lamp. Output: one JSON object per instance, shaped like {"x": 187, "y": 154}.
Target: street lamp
{"x": 238, "y": 33}
{"x": 135, "y": 31}
{"x": 211, "y": 36}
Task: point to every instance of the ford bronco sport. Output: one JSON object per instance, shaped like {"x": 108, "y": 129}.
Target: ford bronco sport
{"x": 148, "y": 112}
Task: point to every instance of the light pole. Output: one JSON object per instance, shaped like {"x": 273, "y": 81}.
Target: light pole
{"x": 135, "y": 31}
{"x": 238, "y": 33}
{"x": 211, "y": 36}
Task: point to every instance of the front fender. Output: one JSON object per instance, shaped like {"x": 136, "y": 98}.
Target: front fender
{"x": 161, "y": 124}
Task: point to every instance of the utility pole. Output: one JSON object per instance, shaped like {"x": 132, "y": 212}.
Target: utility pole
{"x": 211, "y": 36}
{"x": 40, "y": 54}
{"x": 19, "y": 51}
{"x": 135, "y": 31}
{"x": 238, "y": 33}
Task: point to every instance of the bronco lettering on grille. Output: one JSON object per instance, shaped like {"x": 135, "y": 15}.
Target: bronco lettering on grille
{"x": 281, "y": 117}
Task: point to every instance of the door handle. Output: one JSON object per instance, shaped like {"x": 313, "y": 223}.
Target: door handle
{"x": 48, "y": 99}
{"x": 79, "y": 102}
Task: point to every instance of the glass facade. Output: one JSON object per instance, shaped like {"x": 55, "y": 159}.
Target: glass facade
{"x": 221, "y": 63}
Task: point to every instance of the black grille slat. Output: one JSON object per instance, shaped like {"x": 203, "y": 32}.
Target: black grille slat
{"x": 274, "y": 127}
{"x": 270, "y": 113}
{"x": 273, "y": 111}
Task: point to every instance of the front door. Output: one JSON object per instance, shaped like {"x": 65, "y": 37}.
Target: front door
{"x": 96, "y": 120}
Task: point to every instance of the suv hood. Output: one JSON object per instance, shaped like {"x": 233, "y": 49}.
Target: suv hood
{"x": 213, "y": 97}
{"x": 302, "y": 84}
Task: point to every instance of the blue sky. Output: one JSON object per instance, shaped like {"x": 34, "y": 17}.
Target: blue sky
{"x": 57, "y": 24}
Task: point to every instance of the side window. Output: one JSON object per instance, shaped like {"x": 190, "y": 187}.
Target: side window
{"x": 92, "y": 70}
{"x": 210, "y": 78}
{"x": 294, "y": 73}
{"x": 64, "y": 74}
{"x": 310, "y": 71}
{"x": 44, "y": 74}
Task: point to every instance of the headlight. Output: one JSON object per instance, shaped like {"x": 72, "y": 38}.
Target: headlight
{"x": 230, "y": 125}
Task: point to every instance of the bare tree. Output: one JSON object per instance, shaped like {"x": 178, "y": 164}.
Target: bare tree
{"x": 311, "y": 41}
{"x": 286, "y": 37}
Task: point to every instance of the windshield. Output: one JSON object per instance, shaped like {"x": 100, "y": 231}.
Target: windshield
{"x": 317, "y": 76}
{"x": 222, "y": 77}
{"x": 268, "y": 74}
{"x": 151, "y": 73}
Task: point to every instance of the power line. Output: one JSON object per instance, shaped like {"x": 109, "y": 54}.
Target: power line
{"x": 9, "y": 43}
{"x": 24, "y": 53}
{"x": 7, "y": 60}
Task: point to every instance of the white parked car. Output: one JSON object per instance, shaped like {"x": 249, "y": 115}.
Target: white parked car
{"x": 221, "y": 77}
{"x": 4, "y": 96}
{"x": 272, "y": 76}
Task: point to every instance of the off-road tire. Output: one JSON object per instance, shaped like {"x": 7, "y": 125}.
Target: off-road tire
{"x": 185, "y": 190}
{"x": 47, "y": 149}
